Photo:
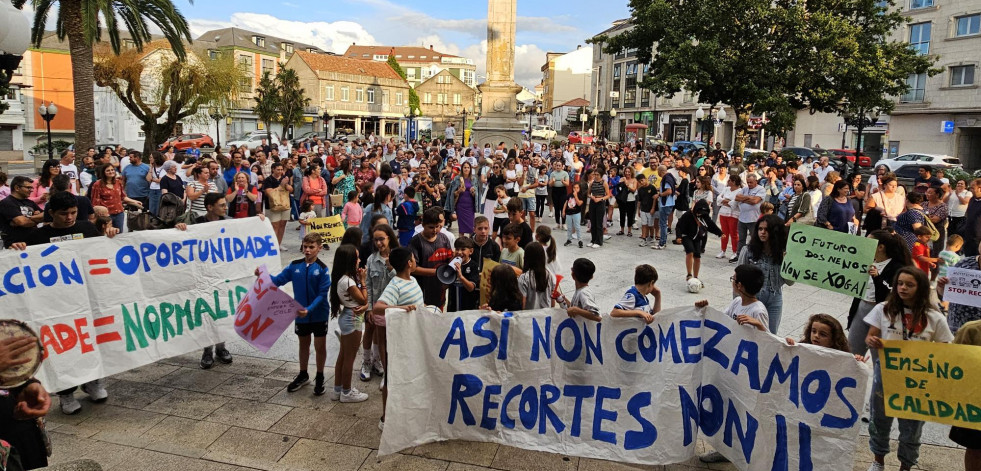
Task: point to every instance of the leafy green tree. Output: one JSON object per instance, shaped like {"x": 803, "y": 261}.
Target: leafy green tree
{"x": 162, "y": 90}
{"x": 267, "y": 102}
{"x": 291, "y": 98}
{"x": 769, "y": 56}
{"x": 413, "y": 96}
{"x": 82, "y": 23}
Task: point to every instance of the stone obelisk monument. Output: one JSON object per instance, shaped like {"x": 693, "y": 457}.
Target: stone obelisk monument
{"x": 498, "y": 103}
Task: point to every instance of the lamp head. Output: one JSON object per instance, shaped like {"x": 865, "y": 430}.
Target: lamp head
{"x": 700, "y": 113}
{"x": 721, "y": 115}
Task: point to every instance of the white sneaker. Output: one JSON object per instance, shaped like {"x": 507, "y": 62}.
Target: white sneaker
{"x": 643, "y": 242}
{"x": 378, "y": 367}
{"x": 607, "y": 237}
{"x": 381, "y": 385}
{"x": 655, "y": 246}
{"x": 366, "y": 369}
{"x": 354, "y": 396}
{"x": 381, "y": 425}
{"x": 877, "y": 467}
{"x": 333, "y": 394}
{"x": 96, "y": 390}
{"x": 721, "y": 254}
{"x": 596, "y": 246}
{"x": 69, "y": 405}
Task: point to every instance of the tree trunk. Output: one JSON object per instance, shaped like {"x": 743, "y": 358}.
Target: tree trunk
{"x": 83, "y": 81}
{"x": 742, "y": 136}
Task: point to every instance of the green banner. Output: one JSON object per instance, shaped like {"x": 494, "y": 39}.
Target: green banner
{"x": 828, "y": 259}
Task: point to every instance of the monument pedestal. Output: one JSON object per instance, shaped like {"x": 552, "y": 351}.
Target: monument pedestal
{"x": 497, "y": 123}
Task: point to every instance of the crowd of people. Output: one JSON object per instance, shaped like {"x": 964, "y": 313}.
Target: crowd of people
{"x": 399, "y": 200}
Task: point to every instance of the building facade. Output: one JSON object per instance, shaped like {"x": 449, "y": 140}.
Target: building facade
{"x": 360, "y": 97}
{"x": 419, "y": 63}
{"x": 256, "y": 53}
{"x": 620, "y": 100}
{"x": 566, "y": 76}
{"x": 446, "y": 99}
{"x": 565, "y": 118}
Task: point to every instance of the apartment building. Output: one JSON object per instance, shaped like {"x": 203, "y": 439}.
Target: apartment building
{"x": 362, "y": 97}
{"x": 446, "y": 99}
{"x": 419, "y": 63}
{"x": 566, "y": 76}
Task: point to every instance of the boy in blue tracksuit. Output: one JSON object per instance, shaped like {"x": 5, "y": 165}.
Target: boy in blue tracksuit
{"x": 311, "y": 288}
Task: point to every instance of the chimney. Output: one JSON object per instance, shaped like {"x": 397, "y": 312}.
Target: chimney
{"x": 430, "y": 47}
{"x": 578, "y": 46}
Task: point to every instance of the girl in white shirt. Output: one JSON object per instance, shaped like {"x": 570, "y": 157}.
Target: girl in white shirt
{"x": 905, "y": 315}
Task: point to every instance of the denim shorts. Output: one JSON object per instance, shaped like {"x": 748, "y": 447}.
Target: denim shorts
{"x": 347, "y": 322}
{"x": 528, "y": 204}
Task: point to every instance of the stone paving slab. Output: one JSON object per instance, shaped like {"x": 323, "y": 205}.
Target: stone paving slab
{"x": 173, "y": 415}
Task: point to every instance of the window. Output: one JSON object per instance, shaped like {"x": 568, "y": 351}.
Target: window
{"x": 961, "y": 75}
{"x": 371, "y": 95}
{"x": 398, "y": 99}
{"x": 916, "y": 4}
{"x": 440, "y": 98}
{"x": 917, "y": 86}
{"x": 411, "y": 73}
{"x": 457, "y": 99}
{"x": 345, "y": 94}
{"x": 616, "y": 70}
{"x": 259, "y": 41}
{"x": 267, "y": 66}
{"x": 380, "y": 57}
{"x": 288, "y": 47}
{"x": 632, "y": 68}
{"x": 245, "y": 85}
{"x": 968, "y": 25}
{"x": 329, "y": 92}
{"x": 422, "y": 57}
{"x": 919, "y": 37}
{"x": 212, "y": 54}
{"x": 411, "y": 57}
{"x": 398, "y": 56}
{"x": 630, "y": 97}
{"x": 687, "y": 97}
{"x": 599, "y": 75}
{"x": 359, "y": 95}
{"x": 245, "y": 60}
{"x": 385, "y": 97}
{"x": 365, "y": 55}
{"x": 128, "y": 44}
{"x": 427, "y": 98}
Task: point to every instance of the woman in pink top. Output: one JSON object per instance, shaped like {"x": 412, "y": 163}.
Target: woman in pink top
{"x": 314, "y": 189}
{"x": 42, "y": 185}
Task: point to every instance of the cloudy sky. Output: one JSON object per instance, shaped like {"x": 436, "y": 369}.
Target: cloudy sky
{"x": 451, "y": 26}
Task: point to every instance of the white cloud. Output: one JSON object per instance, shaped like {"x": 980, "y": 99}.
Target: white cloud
{"x": 333, "y": 37}
{"x": 528, "y": 60}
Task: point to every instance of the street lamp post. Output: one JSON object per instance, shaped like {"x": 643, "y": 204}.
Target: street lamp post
{"x": 217, "y": 115}
{"x": 720, "y": 117}
{"x": 47, "y": 114}
{"x": 596, "y": 113}
{"x": 700, "y": 119}
{"x": 326, "y": 117}
{"x": 613, "y": 115}
{"x": 14, "y": 41}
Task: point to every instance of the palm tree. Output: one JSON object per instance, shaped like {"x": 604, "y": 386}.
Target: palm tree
{"x": 82, "y": 22}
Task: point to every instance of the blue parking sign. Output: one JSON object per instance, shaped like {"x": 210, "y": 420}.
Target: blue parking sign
{"x": 947, "y": 127}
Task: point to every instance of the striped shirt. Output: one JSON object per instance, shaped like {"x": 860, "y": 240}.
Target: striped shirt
{"x": 401, "y": 292}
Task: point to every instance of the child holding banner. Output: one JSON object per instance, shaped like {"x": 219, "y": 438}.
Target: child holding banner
{"x": 311, "y": 282}
{"x": 402, "y": 292}
{"x": 968, "y": 334}
{"x": 905, "y": 315}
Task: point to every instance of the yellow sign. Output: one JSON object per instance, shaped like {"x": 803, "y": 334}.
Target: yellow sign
{"x": 330, "y": 227}
{"x": 933, "y": 382}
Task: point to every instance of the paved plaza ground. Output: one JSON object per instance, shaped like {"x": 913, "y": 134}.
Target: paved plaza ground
{"x": 172, "y": 415}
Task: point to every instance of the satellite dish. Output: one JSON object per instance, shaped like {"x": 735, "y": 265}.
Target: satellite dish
{"x": 446, "y": 274}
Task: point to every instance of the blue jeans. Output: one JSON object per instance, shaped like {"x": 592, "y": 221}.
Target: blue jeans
{"x": 572, "y": 224}
{"x": 663, "y": 213}
{"x": 774, "y": 307}
{"x": 880, "y": 425}
{"x": 118, "y": 220}
{"x": 294, "y": 208}
{"x": 154, "y": 201}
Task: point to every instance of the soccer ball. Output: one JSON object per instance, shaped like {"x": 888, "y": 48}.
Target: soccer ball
{"x": 694, "y": 285}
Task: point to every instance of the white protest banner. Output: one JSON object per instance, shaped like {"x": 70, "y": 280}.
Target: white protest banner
{"x": 621, "y": 390}
{"x": 964, "y": 287}
{"x": 264, "y": 313}
{"x": 103, "y": 306}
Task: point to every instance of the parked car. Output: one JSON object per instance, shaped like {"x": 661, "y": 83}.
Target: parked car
{"x": 186, "y": 141}
{"x": 863, "y": 161}
{"x": 252, "y": 139}
{"x": 576, "y": 137}
{"x": 687, "y": 146}
{"x": 653, "y": 141}
{"x": 906, "y": 174}
{"x": 804, "y": 152}
{"x": 542, "y": 131}
{"x": 931, "y": 159}
{"x": 748, "y": 151}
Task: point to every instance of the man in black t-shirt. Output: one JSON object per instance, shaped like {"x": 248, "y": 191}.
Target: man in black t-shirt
{"x": 65, "y": 226}
{"x": 926, "y": 180}
{"x": 60, "y": 183}
{"x": 18, "y": 214}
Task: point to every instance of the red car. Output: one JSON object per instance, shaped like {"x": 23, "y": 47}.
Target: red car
{"x": 576, "y": 137}
{"x": 863, "y": 161}
{"x": 185, "y": 141}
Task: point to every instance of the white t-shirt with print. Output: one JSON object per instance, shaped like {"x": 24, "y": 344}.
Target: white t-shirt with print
{"x": 936, "y": 329}
{"x": 756, "y": 310}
